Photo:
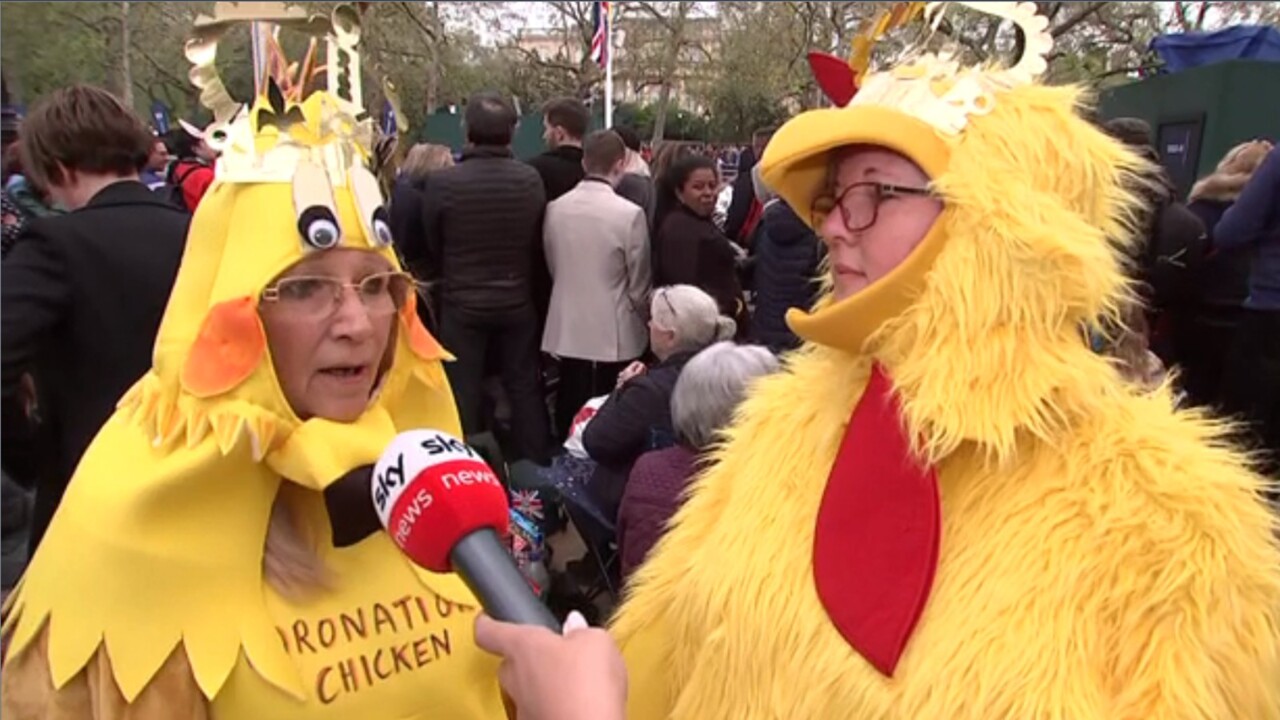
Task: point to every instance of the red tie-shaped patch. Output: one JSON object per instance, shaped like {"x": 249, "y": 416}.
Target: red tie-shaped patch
{"x": 875, "y": 548}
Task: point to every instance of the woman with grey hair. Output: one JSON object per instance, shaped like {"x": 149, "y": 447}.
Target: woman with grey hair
{"x": 637, "y": 416}
{"x": 702, "y": 405}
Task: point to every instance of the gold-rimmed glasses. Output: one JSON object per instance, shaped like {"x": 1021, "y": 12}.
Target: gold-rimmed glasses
{"x": 318, "y": 297}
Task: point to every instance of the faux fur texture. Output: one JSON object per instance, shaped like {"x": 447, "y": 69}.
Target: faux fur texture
{"x": 994, "y": 346}
{"x": 1103, "y": 555}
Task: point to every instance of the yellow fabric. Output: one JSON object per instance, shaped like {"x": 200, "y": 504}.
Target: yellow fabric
{"x": 158, "y": 543}
{"x": 380, "y": 644}
{"x": 1103, "y": 556}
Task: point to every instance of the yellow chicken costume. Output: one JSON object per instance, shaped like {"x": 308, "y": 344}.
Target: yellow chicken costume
{"x": 948, "y": 507}
{"x": 147, "y": 599}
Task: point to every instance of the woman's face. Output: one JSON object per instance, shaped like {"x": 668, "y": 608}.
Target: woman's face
{"x": 699, "y": 191}
{"x": 859, "y": 257}
{"x": 328, "y": 352}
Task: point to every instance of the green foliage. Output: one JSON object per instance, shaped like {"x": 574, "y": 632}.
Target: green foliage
{"x": 638, "y": 117}
{"x": 750, "y": 71}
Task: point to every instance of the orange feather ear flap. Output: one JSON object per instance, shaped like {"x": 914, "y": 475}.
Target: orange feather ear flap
{"x": 420, "y": 341}
{"x": 228, "y": 349}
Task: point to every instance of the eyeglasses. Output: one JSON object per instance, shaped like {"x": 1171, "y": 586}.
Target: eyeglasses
{"x": 318, "y": 297}
{"x": 859, "y": 203}
{"x": 661, "y": 293}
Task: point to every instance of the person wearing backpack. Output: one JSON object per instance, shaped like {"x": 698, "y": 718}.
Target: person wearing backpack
{"x": 192, "y": 173}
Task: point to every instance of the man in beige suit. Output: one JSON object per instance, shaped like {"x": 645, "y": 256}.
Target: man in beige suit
{"x": 597, "y": 249}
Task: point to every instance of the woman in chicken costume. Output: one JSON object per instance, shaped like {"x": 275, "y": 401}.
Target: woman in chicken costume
{"x": 949, "y": 507}
{"x": 147, "y": 598}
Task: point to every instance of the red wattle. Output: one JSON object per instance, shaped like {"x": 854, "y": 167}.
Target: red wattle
{"x": 875, "y": 548}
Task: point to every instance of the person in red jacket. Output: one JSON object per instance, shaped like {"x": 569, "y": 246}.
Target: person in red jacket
{"x": 193, "y": 172}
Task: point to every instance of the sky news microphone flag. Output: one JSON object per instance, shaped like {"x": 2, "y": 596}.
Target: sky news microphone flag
{"x": 147, "y": 597}
{"x": 948, "y": 506}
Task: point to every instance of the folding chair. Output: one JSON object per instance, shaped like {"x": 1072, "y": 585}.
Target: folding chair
{"x": 491, "y": 452}
{"x": 599, "y": 534}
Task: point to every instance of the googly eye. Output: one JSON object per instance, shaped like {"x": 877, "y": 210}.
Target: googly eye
{"x": 381, "y": 228}
{"x": 319, "y": 228}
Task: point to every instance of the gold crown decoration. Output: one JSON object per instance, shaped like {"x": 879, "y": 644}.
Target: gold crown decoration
{"x": 935, "y": 88}
{"x": 289, "y": 123}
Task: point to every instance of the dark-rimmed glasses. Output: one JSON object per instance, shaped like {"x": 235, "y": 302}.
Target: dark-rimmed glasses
{"x": 655, "y": 295}
{"x": 662, "y": 293}
{"x": 318, "y": 297}
{"x": 859, "y": 203}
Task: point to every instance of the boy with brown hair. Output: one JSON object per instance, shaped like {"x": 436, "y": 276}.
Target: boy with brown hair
{"x": 83, "y": 293}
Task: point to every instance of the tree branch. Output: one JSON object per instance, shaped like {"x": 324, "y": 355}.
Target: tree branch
{"x": 1204, "y": 9}
{"x": 1073, "y": 20}
{"x": 538, "y": 60}
{"x": 647, "y": 7}
{"x": 1180, "y": 12}
{"x": 160, "y": 69}
{"x": 430, "y": 33}
{"x": 405, "y": 53}
{"x": 949, "y": 29}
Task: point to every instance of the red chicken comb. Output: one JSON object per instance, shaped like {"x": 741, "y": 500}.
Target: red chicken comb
{"x": 837, "y": 80}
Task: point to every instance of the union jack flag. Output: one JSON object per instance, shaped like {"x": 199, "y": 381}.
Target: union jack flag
{"x": 527, "y": 503}
{"x": 601, "y": 18}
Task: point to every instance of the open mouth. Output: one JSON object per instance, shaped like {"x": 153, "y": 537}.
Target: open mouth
{"x": 346, "y": 372}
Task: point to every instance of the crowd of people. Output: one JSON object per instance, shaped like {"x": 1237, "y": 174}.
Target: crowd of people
{"x": 680, "y": 382}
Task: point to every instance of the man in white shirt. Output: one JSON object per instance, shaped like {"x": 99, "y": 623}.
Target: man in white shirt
{"x": 597, "y": 249}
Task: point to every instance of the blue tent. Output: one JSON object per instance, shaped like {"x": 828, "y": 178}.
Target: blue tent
{"x": 1242, "y": 42}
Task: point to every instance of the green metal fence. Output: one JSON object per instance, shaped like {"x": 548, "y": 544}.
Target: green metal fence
{"x": 1200, "y": 114}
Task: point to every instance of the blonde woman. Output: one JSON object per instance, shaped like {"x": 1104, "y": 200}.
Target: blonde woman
{"x": 406, "y": 197}
{"x": 1225, "y": 279}
{"x": 425, "y": 158}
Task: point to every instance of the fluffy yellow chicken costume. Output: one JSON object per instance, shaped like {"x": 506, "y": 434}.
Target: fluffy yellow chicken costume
{"x": 948, "y": 506}
{"x": 147, "y": 600}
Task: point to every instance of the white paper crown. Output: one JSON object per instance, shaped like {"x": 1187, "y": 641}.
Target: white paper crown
{"x": 935, "y": 88}
{"x": 287, "y": 124}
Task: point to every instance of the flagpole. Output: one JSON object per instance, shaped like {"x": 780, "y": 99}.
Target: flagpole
{"x": 259, "y": 53}
{"x": 608, "y": 69}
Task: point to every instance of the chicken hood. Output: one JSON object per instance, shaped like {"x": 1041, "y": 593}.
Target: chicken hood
{"x": 1027, "y": 255}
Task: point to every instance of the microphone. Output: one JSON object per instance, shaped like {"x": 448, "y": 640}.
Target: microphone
{"x": 444, "y": 508}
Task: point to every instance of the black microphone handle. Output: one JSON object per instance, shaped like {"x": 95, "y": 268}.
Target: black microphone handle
{"x": 487, "y": 568}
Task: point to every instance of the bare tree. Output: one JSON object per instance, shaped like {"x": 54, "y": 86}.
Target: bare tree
{"x": 663, "y": 49}
{"x": 126, "y": 69}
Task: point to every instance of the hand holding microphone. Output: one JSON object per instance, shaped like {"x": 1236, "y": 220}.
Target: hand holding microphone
{"x": 551, "y": 676}
{"x": 444, "y": 507}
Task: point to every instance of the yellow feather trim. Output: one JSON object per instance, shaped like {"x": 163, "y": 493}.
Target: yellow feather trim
{"x": 167, "y": 417}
